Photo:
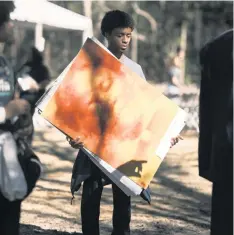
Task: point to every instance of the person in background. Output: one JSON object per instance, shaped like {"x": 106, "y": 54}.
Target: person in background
{"x": 33, "y": 78}
{"x": 35, "y": 69}
{"x": 216, "y": 128}
{"x": 174, "y": 71}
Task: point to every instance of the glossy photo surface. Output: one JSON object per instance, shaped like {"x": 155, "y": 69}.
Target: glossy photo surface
{"x": 118, "y": 115}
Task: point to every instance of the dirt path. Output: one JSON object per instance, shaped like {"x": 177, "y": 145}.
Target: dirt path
{"x": 180, "y": 198}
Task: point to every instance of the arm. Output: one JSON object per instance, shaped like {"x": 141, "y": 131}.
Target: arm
{"x": 175, "y": 81}
{"x": 46, "y": 78}
{"x": 14, "y": 108}
{"x": 2, "y": 115}
{"x": 44, "y": 84}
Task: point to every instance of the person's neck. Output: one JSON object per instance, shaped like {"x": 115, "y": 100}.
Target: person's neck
{"x": 118, "y": 54}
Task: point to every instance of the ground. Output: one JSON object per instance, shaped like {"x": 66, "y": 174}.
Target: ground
{"x": 180, "y": 198}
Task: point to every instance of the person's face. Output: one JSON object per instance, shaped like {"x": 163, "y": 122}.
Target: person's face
{"x": 6, "y": 32}
{"x": 119, "y": 39}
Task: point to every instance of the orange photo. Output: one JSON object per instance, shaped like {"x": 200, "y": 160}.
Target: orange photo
{"x": 117, "y": 115}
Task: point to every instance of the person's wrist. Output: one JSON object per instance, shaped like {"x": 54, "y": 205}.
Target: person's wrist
{"x": 3, "y": 115}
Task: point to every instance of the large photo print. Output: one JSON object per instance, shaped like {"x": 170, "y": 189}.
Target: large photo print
{"x": 118, "y": 116}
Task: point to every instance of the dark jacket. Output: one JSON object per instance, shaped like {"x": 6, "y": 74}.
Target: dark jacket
{"x": 83, "y": 168}
{"x": 216, "y": 107}
{"x": 39, "y": 72}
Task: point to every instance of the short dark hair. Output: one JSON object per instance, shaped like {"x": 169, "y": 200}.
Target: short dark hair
{"x": 6, "y": 7}
{"x": 116, "y": 19}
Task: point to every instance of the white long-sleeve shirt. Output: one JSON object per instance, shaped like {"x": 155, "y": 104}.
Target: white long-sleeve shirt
{"x": 132, "y": 65}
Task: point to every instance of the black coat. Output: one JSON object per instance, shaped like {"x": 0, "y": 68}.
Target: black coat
{"x": 216, "y": 129}
{"x": 216, "y": 107}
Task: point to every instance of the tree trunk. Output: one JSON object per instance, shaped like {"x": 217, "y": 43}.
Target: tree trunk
{"x": 198, "y": 28}
{"x": 134, "y": 46}
{"x": 183, "y": 45}
{"x": 87, "y": 6}
{"x": 97, "y": 23}
{"x": 150, "y": 18}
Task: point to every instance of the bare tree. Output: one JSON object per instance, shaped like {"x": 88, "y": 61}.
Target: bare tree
{"x": 183, "y": 44}
{"x": 87, "y": 8}
{"x": 198, "y": 27}
{"x": 147, "y": 16}
{"x": 136, "y": 35}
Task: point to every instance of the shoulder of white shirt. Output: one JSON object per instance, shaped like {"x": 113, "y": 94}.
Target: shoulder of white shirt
{"x": 133, "y": 65}
{"x": 124, "y": 58}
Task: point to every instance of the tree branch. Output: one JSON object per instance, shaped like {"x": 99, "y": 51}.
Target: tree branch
{"x": 145, "y": 14}
{"x": 139, "y": 36}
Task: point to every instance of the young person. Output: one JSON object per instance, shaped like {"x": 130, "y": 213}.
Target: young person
{"x": 117, "y": 27}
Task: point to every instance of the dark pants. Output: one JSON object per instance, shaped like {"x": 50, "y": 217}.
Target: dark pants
{"x": 9, "y": 216}
{"x": 222, "y": 211}
{"x": 90, "y": 208}
{"x": 222, "y": 198}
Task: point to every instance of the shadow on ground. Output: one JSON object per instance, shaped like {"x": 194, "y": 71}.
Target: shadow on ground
{"x": 26, "y": 229}
{"x": 179, "y": 203}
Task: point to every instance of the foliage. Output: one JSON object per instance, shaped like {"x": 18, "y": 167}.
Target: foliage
{"x": 204, "y": 20}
